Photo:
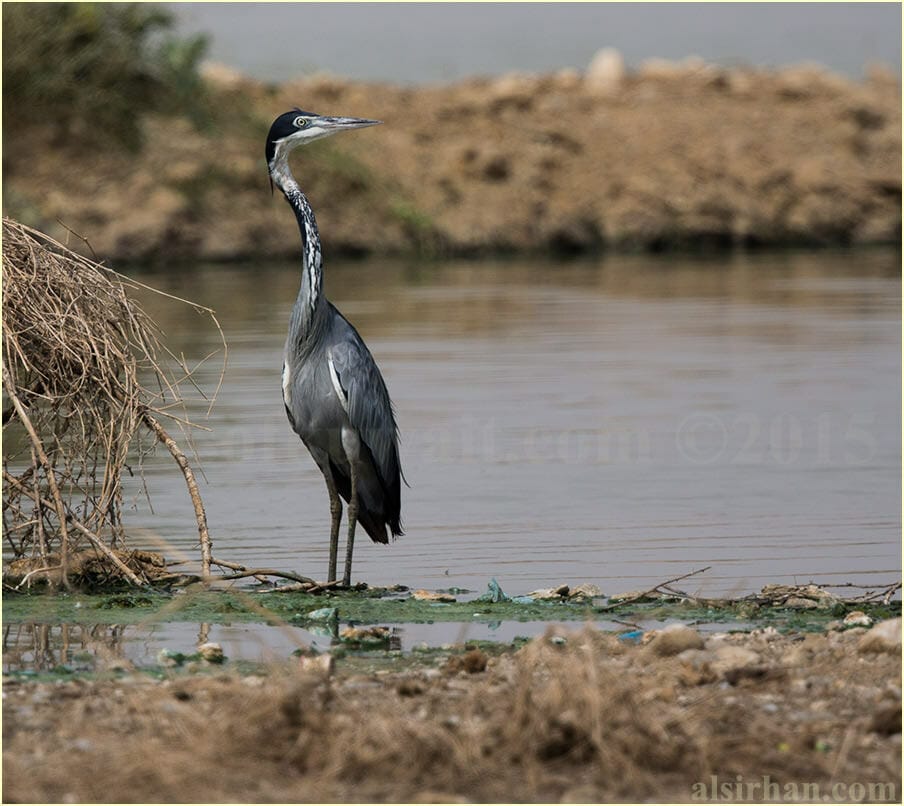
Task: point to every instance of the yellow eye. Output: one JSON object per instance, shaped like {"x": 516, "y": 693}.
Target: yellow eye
{"x": 299, "y": 123}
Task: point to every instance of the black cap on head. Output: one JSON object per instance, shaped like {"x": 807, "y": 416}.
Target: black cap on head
{"x": 283, "y": 126}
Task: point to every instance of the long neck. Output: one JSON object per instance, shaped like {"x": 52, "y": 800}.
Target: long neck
{"x": 310, "y": 294}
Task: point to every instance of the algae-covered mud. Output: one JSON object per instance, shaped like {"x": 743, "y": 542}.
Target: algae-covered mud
{"x": 81, "y": 633}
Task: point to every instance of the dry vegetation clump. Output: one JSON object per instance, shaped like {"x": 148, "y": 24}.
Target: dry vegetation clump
{"x": 85, "y": 379}
{"x": 589, "y": 720}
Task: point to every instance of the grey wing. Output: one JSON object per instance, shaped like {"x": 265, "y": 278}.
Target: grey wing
{"x": 368, "y": 405}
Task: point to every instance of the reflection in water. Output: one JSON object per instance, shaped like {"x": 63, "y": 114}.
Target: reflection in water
{"x": 33, "y": 648}
{"x": 616, "y": 421}
{"x": 48, "y": 648}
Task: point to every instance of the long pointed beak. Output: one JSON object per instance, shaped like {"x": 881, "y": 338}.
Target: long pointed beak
{"x": 342, "y": 124}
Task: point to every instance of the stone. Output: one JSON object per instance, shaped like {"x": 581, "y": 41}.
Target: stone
{"x": 605, "y": 73}
{"x": 730, "y": 658}
{"x": 550, "y": 593}
{"x": 857, "y": 618}
{"x": 884, "y": 637}
{"x": 211, "y": 652}
{"x": 365, "y": 635}
{"x": 584, "y": 591}
{"x": 430, "y": 596}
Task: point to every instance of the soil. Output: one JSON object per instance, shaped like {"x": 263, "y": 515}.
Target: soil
{"x": 576, "y": 716}
{"x": 810, "y": 697}
{"x": 674, "y": 155}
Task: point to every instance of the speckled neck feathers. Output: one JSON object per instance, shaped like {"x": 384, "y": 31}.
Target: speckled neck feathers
{"x": 311, "y": 291}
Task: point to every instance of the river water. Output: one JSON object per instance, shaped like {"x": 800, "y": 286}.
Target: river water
{"x": 618, "y": 421}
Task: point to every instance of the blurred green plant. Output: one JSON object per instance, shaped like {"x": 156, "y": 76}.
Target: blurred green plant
{"x": 91, "y": 71}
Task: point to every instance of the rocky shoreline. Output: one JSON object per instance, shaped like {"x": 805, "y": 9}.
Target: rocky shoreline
{"x": 674, "y": 155}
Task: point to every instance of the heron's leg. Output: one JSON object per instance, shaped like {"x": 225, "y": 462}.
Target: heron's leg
{"x": 352, "y": 520}
{"x": 335, "y": 520}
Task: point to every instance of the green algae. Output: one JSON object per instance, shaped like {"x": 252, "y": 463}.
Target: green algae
{"x": 369, "y": 607}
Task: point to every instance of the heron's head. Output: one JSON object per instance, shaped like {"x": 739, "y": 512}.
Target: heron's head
{"x": 297, "y": 128}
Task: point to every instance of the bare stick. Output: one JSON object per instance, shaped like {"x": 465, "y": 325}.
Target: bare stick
{"x": 200, "y": 515}
{"x": 80, "y": 237}
{"x": 296, "y": 587}
{"x": 878, "y": 586}
{"x": 654, "y": 589}
{"x": 34, "y": 571}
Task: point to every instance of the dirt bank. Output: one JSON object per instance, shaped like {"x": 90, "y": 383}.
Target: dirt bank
{"x": 570, "y": 717}
{"x": 673, "y": 155}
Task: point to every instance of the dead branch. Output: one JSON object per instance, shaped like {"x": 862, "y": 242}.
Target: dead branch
{"x": 270, "y": 572}
{"x": 656, "y": 589}
{"x": 200, "y": 515}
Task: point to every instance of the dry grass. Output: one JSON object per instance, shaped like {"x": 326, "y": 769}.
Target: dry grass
{"x": 588, "y": 721}
{"x": 84, "y": 373}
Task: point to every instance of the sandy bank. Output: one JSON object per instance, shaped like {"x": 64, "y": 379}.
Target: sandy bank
{"x": 673, "y": 155}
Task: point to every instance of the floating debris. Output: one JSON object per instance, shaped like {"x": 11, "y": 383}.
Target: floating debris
{"x": 633, "y": 637}
{"x": 494, "y": 593}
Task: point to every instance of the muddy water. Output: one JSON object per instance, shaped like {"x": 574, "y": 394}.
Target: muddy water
{"x": 617, "y": 421}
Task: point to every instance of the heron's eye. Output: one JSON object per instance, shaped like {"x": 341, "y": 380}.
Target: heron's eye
{"x": 299, "y": 123}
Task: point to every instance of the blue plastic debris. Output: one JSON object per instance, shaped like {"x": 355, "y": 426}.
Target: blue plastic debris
{"x": 634, "y": 636}
{"x": 494, "y": 593}
{"x": 523, "y": 599}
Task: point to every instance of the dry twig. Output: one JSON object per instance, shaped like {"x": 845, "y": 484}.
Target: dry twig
{"x": 84, "y": 371}
{"x": 661, "y": 589}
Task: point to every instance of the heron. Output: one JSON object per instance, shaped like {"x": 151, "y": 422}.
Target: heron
{"x": 335, "y": 396}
